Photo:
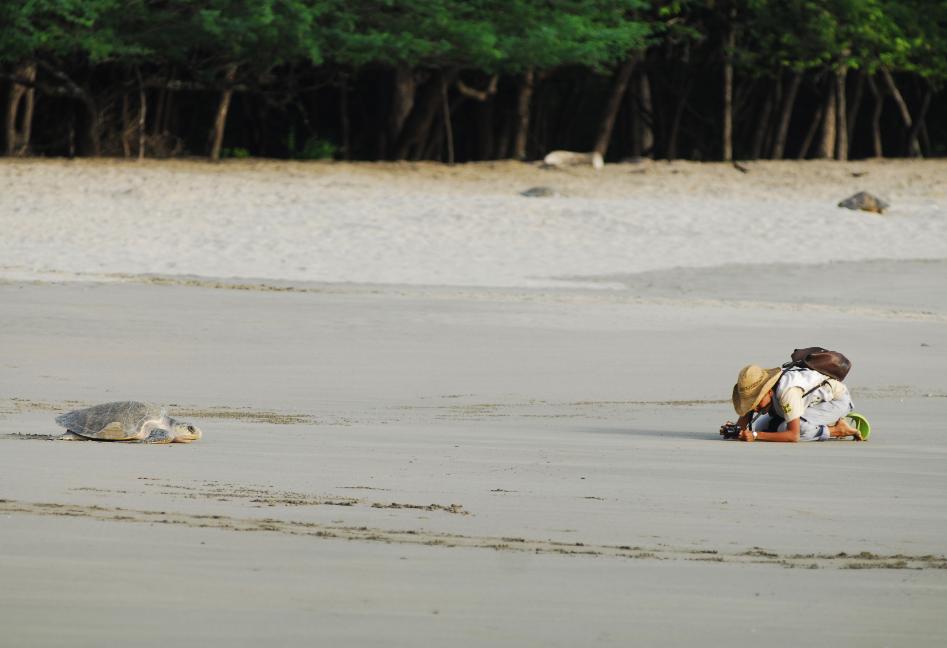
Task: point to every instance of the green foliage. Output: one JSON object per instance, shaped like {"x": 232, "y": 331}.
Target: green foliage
{"x": 905, "y": 35}
{"x": 259, "y": 33}
{"x": 97, "y": 30}
{"x": 594, "y": 33}
{"x": 919, "y": 39}
{"x": 82, "y": 46}
{"x": 235, "y": 153}
{"x": 317, "y": 148}
{"x": 489, "y": 35}
{"x": 411, "y": 32}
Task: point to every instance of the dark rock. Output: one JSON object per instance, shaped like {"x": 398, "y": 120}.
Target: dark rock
{"x": 538, "y": 192}
{"x": 865, "y": 202}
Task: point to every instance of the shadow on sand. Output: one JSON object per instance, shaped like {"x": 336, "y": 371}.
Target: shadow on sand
{"x": 671, "y": 434}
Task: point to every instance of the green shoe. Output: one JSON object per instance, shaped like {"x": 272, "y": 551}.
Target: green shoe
{"x": 860, "y": 423}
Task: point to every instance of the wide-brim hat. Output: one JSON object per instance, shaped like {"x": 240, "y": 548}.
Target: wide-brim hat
{"x": 752, "y": 384}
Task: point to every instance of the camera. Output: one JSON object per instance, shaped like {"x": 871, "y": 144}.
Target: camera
{"x": 730, "y": 431}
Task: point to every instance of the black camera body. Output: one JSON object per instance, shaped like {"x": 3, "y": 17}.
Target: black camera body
{"x": 730, "y": 431}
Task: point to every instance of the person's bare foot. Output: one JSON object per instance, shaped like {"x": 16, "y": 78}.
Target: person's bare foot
{"x": 842, "y": 429}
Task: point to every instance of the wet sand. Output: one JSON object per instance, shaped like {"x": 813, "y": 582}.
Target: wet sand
{"x": 404, "y": 465}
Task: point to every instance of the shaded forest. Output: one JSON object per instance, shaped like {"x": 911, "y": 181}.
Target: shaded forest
{"x": 455, "y": 80}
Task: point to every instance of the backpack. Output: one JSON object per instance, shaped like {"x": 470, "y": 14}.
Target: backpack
{"x": 828, "y": 363}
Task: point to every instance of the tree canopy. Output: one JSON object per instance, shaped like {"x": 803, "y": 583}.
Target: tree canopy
{"x": 326, "y": 69}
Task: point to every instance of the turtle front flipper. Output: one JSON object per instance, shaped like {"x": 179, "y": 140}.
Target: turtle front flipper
{"x": 158, "y": 435}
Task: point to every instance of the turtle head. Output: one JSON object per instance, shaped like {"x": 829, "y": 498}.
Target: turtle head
{"x": 185, "y": 432}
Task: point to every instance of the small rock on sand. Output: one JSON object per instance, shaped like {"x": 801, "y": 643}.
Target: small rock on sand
{"x": 539, "y": 192}
{"x": 865, "y": 202}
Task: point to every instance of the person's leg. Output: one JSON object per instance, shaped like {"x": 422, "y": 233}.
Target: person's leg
{"x": 824, "y": 420}
{"x": 812, "y": 431}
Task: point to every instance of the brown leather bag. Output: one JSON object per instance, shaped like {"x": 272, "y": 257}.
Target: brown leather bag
{"x": 830, "y": 363}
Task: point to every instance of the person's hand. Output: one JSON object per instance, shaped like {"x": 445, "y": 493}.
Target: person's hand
{"x": 747, "y": 435}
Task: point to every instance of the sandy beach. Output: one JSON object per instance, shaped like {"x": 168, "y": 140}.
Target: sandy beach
{"x": 437, "y": 412}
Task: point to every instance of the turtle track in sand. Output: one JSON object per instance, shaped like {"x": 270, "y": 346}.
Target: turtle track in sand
{"x": 752, "y": 555}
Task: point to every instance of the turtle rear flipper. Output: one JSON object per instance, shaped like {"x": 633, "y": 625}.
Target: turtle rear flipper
{"x": 71, "y": 436}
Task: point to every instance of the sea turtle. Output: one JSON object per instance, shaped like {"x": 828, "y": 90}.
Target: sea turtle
{"x": 865, "y": 202}
{"x": 126, "y": 421}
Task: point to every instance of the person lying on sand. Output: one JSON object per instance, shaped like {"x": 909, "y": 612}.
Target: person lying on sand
{"x": 790, "y": 405}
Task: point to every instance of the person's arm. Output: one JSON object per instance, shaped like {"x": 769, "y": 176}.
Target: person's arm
{"x": 789, "y": 435}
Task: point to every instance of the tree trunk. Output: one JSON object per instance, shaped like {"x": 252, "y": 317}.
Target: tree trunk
{"x": 126, "y": 127}
{"x": 728, "y": 92}
{"x": 71, "y": 135}
{"x": 522, "y": 114}
{"x": 876, "y": 117}
{"x": 841, "y": 127}
{"x": 93, "y": 133}
{"x": 912, "y": 148}
{"x": 222, "y": 107}
{"x": 26, "y": 123}
{"x": 643, "y": 133}
{"x": 256, "y": 112}
{"x": 142, "y": 113}
{"x": 405, "y": 87}
{"x": 448, "y": 128}
{"x": 13, "y": 106}
{"x": 432, "y": 147}
{"x": 855, "y": 106}
{"x": 156, "y": 128}
{"x": 619, "y": 86}
{"x": 19, "y": 124}
{"x": 418, "y": 125}
{"x": 762, "y": 126}
{"x": 789, "y": 101}
{"x": 810, "y": 134}
{"x": 506, "y": 131}
{"x": 344, "y": 118}
{"x": 919, "y": 122}
{"x": 540, "y": 124}
{"x": 676, "y": 121}
{"x": 925, "y": 138}
{"x": 168, "y": 121}
{"x": 826, "y": 147}
{"x": 485, "y": 130}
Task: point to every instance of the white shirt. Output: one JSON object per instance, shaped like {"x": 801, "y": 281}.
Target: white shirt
{"x": 799, "y": 388}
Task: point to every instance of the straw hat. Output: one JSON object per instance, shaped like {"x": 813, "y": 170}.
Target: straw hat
{"x": 752, "y": 384}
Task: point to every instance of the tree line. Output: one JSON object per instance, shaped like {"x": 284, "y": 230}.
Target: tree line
{"x": 458, "y": 80}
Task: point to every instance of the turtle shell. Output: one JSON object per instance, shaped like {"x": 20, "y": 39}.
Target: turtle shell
{"x": 118, "y": 421}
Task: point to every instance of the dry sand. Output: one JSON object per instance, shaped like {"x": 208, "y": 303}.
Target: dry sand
{"x": 432, "y": 460}
{"x": 463, "y": 226}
